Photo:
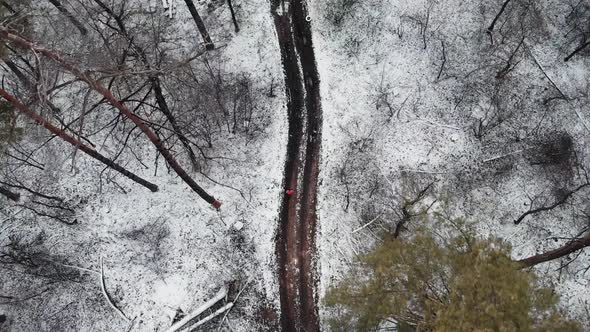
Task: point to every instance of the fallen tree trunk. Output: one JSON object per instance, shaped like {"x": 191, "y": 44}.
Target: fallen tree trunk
{"x": 72, "y": 140}
{"x": 566, "y": 249}
{"x": 163, "y": 105}
{"x": 96, "y": 86}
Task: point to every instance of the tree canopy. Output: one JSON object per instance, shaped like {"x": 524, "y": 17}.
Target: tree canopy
{"x": 458, "y": 284}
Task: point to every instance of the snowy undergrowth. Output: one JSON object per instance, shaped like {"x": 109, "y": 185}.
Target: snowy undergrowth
{"x": 383, "y": 88}
{"x": 170, "y": 250}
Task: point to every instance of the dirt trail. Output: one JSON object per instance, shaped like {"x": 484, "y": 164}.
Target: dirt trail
{"x": 295, "y": 242}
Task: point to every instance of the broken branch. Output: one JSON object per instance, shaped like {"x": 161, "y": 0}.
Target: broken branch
{"x": 106, "y": 295}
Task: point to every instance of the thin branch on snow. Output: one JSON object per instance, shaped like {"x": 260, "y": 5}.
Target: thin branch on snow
{"x": 505, "y": 155}
{"x": 75, "y": 267}
{"x": 226, "y": 186}
{"x": 79, "y": 268}
{"x": 80, "y": 128}
{"x": 562, "y": 201}
{"x": 366, "y": 225}
{"x": 436, "y": 124}
{"x": 444, "y": 60}
{"x": 576, "y": 51}
{"x": 581, "y": 119}
{"x": 9, "y": 217}
{"x": 344, "y": 256}
{"x": 530, "y": 51}
{"x": 106, "y": 295}
{"x": 422, "y": 171}
{"x": 490, "y": 29}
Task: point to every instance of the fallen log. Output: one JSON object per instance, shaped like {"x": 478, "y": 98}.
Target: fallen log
{"x": 185, "y": 322}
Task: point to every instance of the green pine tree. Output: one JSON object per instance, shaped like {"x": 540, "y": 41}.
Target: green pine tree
{"x": 462, "y": 284}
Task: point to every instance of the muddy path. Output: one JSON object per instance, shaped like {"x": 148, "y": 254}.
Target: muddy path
{"x": 295, "y": 242}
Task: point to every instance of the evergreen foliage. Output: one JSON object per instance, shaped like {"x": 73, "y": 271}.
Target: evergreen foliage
{"x": 461, "y": 284}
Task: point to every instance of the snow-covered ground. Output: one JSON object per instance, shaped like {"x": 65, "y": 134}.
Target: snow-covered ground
{"x": 377, "y": 58}
{"x": 170, "y": 250}
{"x": 393, "y": 123}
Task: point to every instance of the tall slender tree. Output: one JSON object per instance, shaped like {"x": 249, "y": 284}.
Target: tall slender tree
{"x": 200, "y": 25}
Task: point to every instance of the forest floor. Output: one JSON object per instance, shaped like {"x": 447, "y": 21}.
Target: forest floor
{"x": 410, "y": 102}
{"x": 296, "y": 237}
{"x": 391, "y": 128}
{"x": 169, "y": 251}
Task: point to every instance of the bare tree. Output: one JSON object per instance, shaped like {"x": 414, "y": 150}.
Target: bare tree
{"x": 155, "y": 82}
{"x": 200, "y": 25}
{"x": 107, "y": 94}
{"x": 75, "y": 142}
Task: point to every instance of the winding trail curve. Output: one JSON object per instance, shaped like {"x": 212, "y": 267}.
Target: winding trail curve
{"x": 295, "y": 242}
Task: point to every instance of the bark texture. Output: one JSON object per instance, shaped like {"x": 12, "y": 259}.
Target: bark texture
{"x": 200, "y": 25}
{"x": 72, "y": 140}
{"x": 566, "y": 249}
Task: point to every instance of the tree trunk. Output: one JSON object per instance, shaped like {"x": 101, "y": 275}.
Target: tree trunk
{"x": 163, "y": 105}
{"x": 156, "y": 86}
{"x": 9, "y": 194}
{"x": 70, "y": 16}
{"x": 233, "y": 16}
{"x": 566, "y": 249}
{"x": 72, "y": 140}
{"x": 200, "y": 25}
{"x": 95, "y": 85}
